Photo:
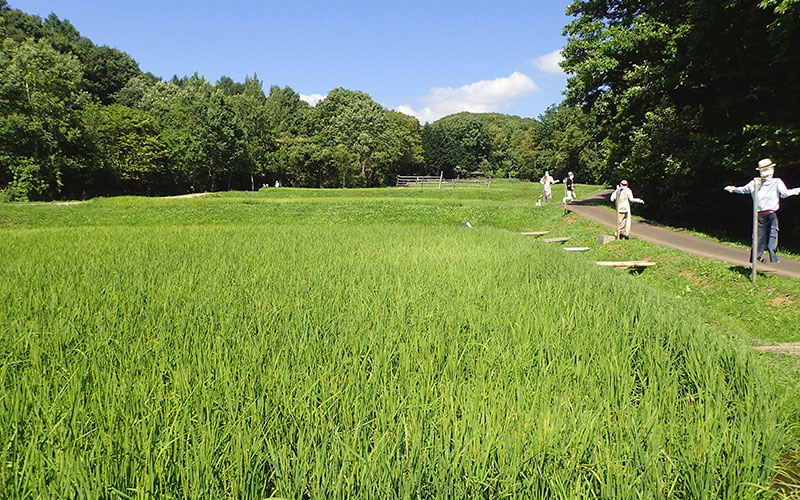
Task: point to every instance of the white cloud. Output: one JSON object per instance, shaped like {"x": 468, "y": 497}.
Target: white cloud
{"x": 485, "y": 96}
{"x": 548, "y": 63}
{"x": 312, "y": 99}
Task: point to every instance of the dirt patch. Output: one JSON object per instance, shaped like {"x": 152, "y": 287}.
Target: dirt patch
{"x": 569, "y": 219}
{"x": 689, "y": 274}
{"x": 787, "y": 481}
{"x": 67, "y": 203}
{"x": 781, "y": 299}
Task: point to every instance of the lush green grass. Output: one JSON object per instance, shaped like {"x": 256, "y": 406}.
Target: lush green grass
{"x": 499, "y": 207}
{"x": 366, "y": 344}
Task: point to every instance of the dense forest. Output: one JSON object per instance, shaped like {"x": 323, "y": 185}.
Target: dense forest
{"x": 680, "y": 97}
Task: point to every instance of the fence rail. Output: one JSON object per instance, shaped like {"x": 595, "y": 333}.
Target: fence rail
{"x": 423, "y": 181}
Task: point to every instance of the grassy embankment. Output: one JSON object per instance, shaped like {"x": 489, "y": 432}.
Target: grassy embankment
{"x": 364, "y": 343}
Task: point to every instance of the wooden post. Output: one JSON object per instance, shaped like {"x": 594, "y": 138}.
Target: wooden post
{"x": 441, "y": 174}
{"x": 754, "y": 249}
{"x": 617, "y": 200}
{"x": 565, "y": 196}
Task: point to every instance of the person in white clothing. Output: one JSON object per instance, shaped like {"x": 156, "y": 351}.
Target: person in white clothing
{"x": 547, "y": 180}
{"x": 624, "y": 196}
{"x": 770, "y": 190}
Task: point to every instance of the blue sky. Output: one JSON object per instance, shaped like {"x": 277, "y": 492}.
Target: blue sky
{"x": 424, "y": 58}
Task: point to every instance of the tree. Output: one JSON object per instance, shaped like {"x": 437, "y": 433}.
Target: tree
{"x": 353, "y": 120}
{"x": 524, "y": 153}
{"x": 228, "y": 86}
{"x": 437, "y": 149}
{"x": 252, "y": 117}
{"x": 133, "y": 158}
{"x": 466, "y": 144}
{"x": 42, "y": 134}
{"x": 133, "y": 93}
{"x": 200, "y": 129}
{"x": 404, "y": 146}
{"x": 106, "y": 70}
{"x": 286, "y": 112}
{"x": 565, "y": 144}
{"x": 18, "y": 26}
{"x": 62, "y": 34}
{"x": 460, "y": 143}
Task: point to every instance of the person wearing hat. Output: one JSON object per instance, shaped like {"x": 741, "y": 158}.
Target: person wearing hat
{"x": 770, "y": 191}
{"x": 624, "y": 196}
{"x": 547, "y": 180}
{"x": 569, "y": 182}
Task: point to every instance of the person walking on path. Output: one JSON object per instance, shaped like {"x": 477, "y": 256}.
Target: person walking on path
{"x": 770, "y": 190}
{"x": 623, "y": 196}
{"x": 547, "y": 181}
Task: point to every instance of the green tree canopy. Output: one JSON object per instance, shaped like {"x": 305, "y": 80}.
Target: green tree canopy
{"x": 42, "y": 134}
{"x": 684, "y": 97}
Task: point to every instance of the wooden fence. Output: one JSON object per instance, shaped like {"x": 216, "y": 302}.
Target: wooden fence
{"x": 423, "y": 181}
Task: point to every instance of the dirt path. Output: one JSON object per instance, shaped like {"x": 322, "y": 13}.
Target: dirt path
{"x": 190, "y": 195}
{"x": 589, "y": 208}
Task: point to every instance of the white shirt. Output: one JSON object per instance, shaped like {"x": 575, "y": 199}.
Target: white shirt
{"x": 625, "y": 197}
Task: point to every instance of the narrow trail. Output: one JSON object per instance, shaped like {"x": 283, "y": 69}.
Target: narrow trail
{"x": 190, "y": 195}
{"x": 589, "y": 208}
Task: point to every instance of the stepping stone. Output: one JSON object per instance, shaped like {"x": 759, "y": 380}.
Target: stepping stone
{"x": 576, "y": 249}
{"x": 604, "y": 239}
{"x": 534, "y": 233}
{"x": 560, "y": 239}
{"x": 627, "y": 264}
{"x": 792, "y": 348}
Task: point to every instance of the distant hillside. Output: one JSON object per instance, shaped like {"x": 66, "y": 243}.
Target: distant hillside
{"x": 491, "y": 119}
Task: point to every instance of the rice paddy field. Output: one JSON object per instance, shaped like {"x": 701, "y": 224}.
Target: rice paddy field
{"x": 341, "y": 344}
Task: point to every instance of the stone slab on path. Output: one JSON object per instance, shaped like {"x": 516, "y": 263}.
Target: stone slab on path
{"x": 792, "y": 348}
{"x": 626, "y": 264}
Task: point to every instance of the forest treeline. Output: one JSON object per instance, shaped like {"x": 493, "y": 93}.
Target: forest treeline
{"x": 79, "y": 120}
{"x": 680, "y": 97}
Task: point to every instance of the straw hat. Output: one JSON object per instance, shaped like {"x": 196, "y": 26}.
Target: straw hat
{"x": 765, "y": 164}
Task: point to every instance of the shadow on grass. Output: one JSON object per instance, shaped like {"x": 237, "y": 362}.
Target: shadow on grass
{"x": 747, "y": 271}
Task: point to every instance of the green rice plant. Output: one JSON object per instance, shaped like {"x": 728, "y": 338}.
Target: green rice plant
{"x": 362, "y": 344}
